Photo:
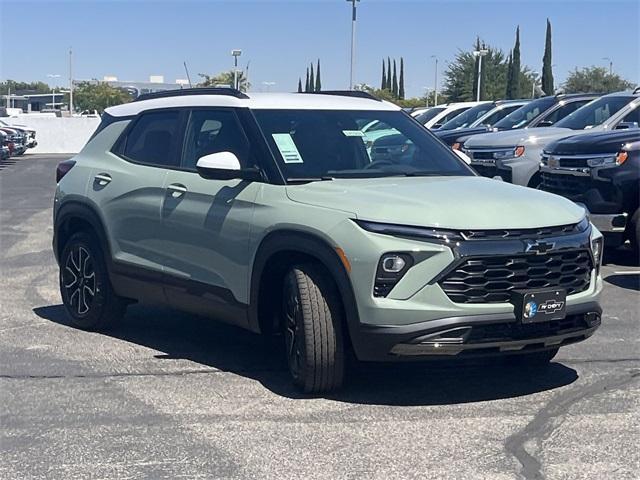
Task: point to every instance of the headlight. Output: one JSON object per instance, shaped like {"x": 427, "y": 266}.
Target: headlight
{"x": 391, "y": 269}
{"x": 436, "y": 235}
{"x": 597, "y": 245}
{"x": 611, "y": 160}
{"x": 510, "y": 153}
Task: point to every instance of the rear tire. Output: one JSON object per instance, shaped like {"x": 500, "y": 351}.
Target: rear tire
{"x": 85, "y": 287}
{"x": 312, "y": 327}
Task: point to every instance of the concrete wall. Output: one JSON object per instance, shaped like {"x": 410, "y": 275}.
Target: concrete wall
{"x": 58, "y": 135}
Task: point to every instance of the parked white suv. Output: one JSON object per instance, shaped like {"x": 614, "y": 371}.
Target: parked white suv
{"x": 433, "y": 118}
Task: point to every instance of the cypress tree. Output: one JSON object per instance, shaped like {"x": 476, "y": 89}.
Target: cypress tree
{"x": 547, "y": 71}
{"x": 318, "y": 82}
{"x": 394, "y": 86}
{"x": 388, "y": 87}
{"x": 401, "y": 84}
{"x": 515, "y": 68}
{"x": 306, "y": 84}
{"x": 383, "y": 84}
{"x": 507, "y": 93}
{"x": 312, "y": 82}
{"x": 474, "y": 86}
{"x": 299, "y": 85}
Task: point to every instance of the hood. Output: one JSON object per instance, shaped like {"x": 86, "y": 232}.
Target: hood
{"x": 593, "y": 143}
{"x": 512, "y": 138}
{"x": 450, "y": 136}
{"x": 446, "y": 202}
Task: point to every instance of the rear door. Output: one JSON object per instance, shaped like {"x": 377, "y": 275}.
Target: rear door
{"x": 129, "y": 187}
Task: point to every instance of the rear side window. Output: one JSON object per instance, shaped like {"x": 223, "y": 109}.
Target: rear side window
{"x": 152, "y": 139}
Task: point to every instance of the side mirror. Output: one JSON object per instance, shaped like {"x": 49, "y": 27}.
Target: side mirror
{"x": 545, "y": 123}
{"x": 225, "y": 166}
{"x": 626, "y": 125}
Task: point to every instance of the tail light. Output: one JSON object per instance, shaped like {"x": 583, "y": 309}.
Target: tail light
{"x": 63, "y": 168}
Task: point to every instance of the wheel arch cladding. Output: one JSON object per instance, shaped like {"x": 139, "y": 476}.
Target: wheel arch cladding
{"x": 75, "y": 217}
{"x": 277, "y": 252}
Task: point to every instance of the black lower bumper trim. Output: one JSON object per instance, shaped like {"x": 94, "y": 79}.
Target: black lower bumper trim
{"x": 477, "y": 335}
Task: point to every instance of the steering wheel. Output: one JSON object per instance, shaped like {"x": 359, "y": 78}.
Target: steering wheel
{"x": 377, "y": 163}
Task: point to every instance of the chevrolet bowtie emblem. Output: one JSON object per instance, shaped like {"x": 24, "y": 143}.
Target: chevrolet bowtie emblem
{"x": 538, "y": 247}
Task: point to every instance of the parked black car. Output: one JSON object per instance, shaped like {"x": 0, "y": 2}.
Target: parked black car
{"x": 542, "y": 112}
{"x": 602, "y": 172}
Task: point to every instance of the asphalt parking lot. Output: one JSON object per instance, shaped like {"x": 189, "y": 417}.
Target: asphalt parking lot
{"x": 167, "y": 395}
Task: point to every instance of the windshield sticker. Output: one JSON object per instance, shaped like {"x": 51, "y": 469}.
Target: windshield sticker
{"x": 353, "y": 133}
{"x": 287, "y": 148}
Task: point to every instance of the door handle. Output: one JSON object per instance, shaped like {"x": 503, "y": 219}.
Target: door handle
{"x": 103, "y": 178}
{"x": 177, "y": 190}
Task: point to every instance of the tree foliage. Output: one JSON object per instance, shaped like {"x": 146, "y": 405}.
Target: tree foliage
{"x": 594, "y": 80}
{"x": 547, "y": 70}
{"x": 318, "y": 85}
{"x": 98, "y": 96}
{"x": 514, "y": 78}
{"x": 23, "y": 87}
{"x": 401, "y": 81}
{"x": 226, "y": 79}
{"x": 383, "y": 83}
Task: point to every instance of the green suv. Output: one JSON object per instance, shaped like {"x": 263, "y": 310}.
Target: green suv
{"x": 270, "y": 212}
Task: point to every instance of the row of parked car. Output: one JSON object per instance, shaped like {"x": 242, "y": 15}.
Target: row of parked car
{"x": 15, "y": 139}
{"x": 585, "y": 147}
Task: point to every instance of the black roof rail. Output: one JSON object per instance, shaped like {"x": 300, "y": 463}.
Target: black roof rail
{"x": 348, "y": 93}
{"x": 231, "y": 92}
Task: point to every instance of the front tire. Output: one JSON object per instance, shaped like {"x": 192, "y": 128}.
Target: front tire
{"x": 85, "y": 287}
{"x": 312, "y": 328}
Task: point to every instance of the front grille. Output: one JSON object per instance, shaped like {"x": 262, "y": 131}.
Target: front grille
{"x": 519, "y": 233}
{"x": 482, "y": 155}
{"x": 504, "y": 332}
{"x": 562, "y": 184}
{"x": 492, "y": 279}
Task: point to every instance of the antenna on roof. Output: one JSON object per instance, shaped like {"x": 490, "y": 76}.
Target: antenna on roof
{"x": 187, "y": 72}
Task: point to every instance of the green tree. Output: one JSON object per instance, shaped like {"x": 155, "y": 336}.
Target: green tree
{"x": 508, "y": 88}
{"x": 459, "y": 76}
{"x": 514, "y": 81}
{"x": 594, "y": 80}
{"x": 401, "y": 81}
{"x": 23, "y": 87}
{"x": 98, "y": 96}
{"x": 299, "y": 85}
{"x": 394, "y": 85}
{"x": 312, "y": 81}
{"x": 318, "y": 82}
{"x": 383, "y": 84}
{"x": 306, "y": 83}
{"x": 389, "y": 85}
{"x": 547, "y": 71}
{"x": 223, "y": 79}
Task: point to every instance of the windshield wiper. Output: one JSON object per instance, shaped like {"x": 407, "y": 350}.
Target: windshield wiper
{"x": 308, "y": 179}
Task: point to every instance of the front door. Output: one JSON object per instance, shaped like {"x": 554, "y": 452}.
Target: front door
{"x": 206, "y": 223}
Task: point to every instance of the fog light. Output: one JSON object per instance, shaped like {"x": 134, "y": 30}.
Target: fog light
{"x": 596, "y": 250}
{"x": 393, "y": 264}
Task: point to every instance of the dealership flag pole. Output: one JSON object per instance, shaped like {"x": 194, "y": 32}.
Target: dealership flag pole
{"x": 353, "y": 41}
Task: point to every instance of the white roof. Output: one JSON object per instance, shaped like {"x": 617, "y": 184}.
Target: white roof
{"x": 280, "y": 101}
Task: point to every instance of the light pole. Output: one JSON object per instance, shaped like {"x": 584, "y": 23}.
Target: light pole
{"x": 53, "y": 92}
{"x": 268, "y": 85}
{"x": 235, "y": 53}
{"x": 533, "y": 84}
{"x": 479, "y": 53}
{"x": 70, "y": 82}
{"x": 435, "y": 85}
{"x": 610, "y": 65}
{"x": 353, "y": 40}
{"x": 426, "y": 96}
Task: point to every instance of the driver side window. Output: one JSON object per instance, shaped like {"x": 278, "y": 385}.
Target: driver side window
{"x": 213, "y": 131}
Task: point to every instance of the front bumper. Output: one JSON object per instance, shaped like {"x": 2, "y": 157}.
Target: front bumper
{"x": 475, "y": 336}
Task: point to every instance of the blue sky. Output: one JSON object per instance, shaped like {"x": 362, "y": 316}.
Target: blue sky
{"x": 135, "y": 39}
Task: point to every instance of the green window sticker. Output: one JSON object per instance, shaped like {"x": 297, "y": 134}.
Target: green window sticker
{"x": 287, "y": 148}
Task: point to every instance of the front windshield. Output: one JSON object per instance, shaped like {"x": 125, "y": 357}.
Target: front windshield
{"x": 593, "y": 113}
{"x": 324, "y": 144}
{"x": 424, "y": 117}
{"x": 468, "y": 117}
{"x": 523, "y": 116}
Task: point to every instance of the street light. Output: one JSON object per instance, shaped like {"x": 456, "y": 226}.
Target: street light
{"x": 235, "y": 53}
{"x": 353, "y": 41}
{"x": 435, "y": 85}
{"x": 268, "y": 85}
{"x": 479, "y": 53}
{"x": 53, "y": 92}
{"x": 610, "y": 64}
